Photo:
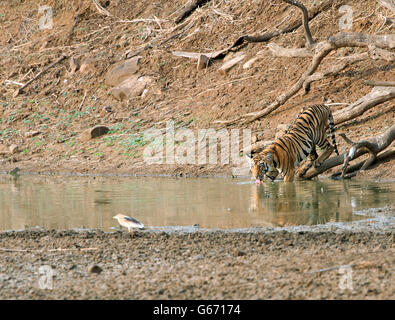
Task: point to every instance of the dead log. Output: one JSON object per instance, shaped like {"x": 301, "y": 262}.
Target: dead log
{"x": 373, "y": 146}
{"x": 353, "y": 170}
{"x": 280, "y": 51}
{"x": 376, "y": 96}
{"x": 290, "y": 28}
{"x": 189, "y": 8}
{"x": 322, "y": 49}
{"x": 376, "y": 144}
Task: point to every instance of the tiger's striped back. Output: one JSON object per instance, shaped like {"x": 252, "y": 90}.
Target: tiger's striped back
{"x": 300, "y": 141}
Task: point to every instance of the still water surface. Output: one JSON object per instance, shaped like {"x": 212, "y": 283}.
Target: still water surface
{"x": 62, "y": 202}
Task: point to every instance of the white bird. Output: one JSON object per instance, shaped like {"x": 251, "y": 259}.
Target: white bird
{"x": 128, "y": 222}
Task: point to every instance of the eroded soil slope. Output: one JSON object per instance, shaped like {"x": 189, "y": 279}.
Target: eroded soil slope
{"x": 46, "y": 120}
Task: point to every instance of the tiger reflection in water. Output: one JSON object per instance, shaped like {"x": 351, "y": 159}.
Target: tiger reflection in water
{"x": 299, "y": 203}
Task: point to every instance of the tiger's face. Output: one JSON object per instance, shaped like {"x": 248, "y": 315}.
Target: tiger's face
{"x": 264, "y": 165}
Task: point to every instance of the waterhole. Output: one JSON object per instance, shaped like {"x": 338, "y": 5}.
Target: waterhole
{"x": 66, "y": 202}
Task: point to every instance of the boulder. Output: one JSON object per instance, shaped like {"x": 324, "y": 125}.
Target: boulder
{"x": 122, "y": 71}
{"x": 133, "y": 86}
{"x": 94, "y": 132}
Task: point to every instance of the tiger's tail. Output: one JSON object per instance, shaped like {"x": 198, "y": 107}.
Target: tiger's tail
{"x": 332, "y": 131}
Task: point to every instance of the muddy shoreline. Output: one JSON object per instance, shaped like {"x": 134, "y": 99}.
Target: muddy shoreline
{"x": 262, "y": 263}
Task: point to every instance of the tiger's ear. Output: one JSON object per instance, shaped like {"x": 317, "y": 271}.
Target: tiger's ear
{"x": 249, "y": 158}
{"x": 269, "y": 156}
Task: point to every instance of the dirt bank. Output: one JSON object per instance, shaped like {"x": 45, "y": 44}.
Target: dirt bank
{"x": 197, "y": 265}
{"x": 46, "y": 120}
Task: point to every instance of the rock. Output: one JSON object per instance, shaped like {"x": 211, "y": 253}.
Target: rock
{"x": 94, "y": 132}
{"x": 74, "y": 65}
{"x": 238, "y": 252}
{"x": 87, "y": 65}
{"x": 203, "y": 62}
{"x": 31, "y": 134}
{"x": 281, "y": 129}
{"x": 13, "y": 148}
{"x": 133, "y": 86}
{"x": 122, "y": 71}
{"x": 14, "y": 172}
{"x": 94, "y": 268}
{"x": 105, "y": 111}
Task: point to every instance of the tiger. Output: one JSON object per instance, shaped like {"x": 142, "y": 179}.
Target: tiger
{"x": 299, "y": 141}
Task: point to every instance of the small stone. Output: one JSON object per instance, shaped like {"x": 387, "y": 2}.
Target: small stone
{"x": 94, "y": 132}
{"x": 238, "y": 253}
{"x": 31, "y": 134}
{"x": 131, "y": 87}
{"x": 13, "y": 148}
{"x": 94, "y": 268}
{"x": 105, "y": 111}
{"x": 74, "y": 65}
{"x": 86, "y": 66}
{"x": 203, "y": 62}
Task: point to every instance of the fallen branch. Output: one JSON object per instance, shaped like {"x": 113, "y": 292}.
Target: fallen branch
{"x": 377, "y": 144}
{"x": 229, "y": 64}
{"x": 196, "y": 55}
{"x": 373, "y": 146}
{"x": 354, "y": 169}
{"x": 376, "y": 83}
{"x": 290, "y": 28}
{"x": 376, "y": 96}
{"x": 13, "y": 82}
{"x": 280, "y": 51}
{"x": 322, "y": 49}
{"x": 321, "y": 75}
{"x": 309, "y": 38}
{"x": 189, "y": 8}
{"x": 19, "y": 90}
{"x": 378, "y": 53}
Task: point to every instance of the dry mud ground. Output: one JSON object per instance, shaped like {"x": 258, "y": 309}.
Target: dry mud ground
{"x": 197, "y": 265}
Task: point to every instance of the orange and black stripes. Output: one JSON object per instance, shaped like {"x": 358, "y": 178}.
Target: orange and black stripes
{"x": 300, "y": 141}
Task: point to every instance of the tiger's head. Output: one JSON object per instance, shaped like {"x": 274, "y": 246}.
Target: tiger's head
{"x": 264, "y": 165}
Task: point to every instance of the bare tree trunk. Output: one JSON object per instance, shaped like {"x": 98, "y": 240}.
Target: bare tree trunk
{"x": 322, "y": 49}
{"x": 373, "y": 145}
{"x": 376, "y": 96}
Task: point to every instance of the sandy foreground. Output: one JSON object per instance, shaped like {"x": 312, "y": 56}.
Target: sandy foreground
{"x": 305, "y": 263}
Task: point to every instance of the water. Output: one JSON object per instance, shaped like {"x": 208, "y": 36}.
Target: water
{"x": 62, "y": 202}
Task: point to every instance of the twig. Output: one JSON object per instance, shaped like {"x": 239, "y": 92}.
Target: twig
{"x": 375, "y": 83}
{"x": 18, "y": 91}
{"x": 307, "y": 32}
{"x": 83, "y": 100}
{"x": 332, "y": 268}
{"x": 14, "y": 82}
